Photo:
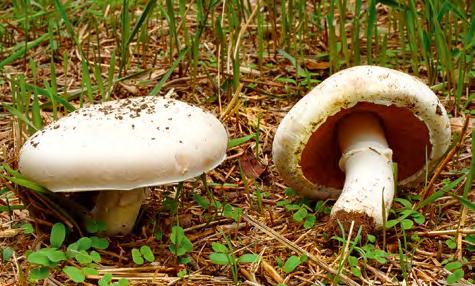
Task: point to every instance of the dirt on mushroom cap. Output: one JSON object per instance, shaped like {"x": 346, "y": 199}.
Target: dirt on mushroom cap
{"x": 125, "y": 144}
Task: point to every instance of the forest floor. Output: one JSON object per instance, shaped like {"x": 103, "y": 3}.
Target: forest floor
{"x": 248, "y": 66}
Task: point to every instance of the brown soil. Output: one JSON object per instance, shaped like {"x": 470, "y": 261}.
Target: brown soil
{"x": 268, "y": 230}
{"x": 343, "y": 220}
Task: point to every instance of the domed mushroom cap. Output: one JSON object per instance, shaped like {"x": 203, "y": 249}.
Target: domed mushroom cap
{"x": 124, "y": 144}
{"x": 305, "y": 147}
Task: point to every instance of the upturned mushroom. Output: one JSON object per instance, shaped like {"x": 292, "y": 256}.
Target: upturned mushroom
{"x": 341, "y": 139}
{"x": 121, "y": 147}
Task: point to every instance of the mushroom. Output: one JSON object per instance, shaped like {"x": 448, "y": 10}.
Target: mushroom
{"x": 121, "y": 147}
{"x": 341, "y": 139}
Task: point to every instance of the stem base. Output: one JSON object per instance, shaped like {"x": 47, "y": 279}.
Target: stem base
{"x": 341, "y": 221}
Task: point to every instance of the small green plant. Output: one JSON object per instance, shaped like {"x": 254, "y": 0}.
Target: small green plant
{"x": 27, "y": 228}
{"x": 106, "y": 280}
{"x": 302, "y": 215}
{"x": 201, "y": 201}
{"x": 353, "y": 262}
{"x": 370, "y": 252}
{"x": 223, "y": 255}
{"x": 82, "y": 251}
{"x": 364, "y": 253}
{"x": 232, "y": 212}
{"x": 456, "y": 269}
{"x": 47, "y": 258}
{"x": 292, "y": 262}
{"x": 240, "y": 140}
{"x": 95, "y": 226}
{"x": 144, "y": 253}
{"x": 471, "y": 240}
{"x": 406, "y": 216}
{"x": 301, "y": 209}
{"x": 304, "y": 78}
{"x": 347, "y": 255}
{"x": 279, "y": 261}
{"x": 451, "y": 243}
{"x": 182, "y": 273}
{"x": 180, "y": 245}
{"x": 7, "y": 254}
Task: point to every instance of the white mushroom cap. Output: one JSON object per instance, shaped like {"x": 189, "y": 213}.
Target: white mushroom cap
{"x": 123, "y": 145}
{"x": 305, "y": 147}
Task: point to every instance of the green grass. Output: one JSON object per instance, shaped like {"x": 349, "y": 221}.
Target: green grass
{"x": 57, "y": 55}
{"x": 440, "y": 36}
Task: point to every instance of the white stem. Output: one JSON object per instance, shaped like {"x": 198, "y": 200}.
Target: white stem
{"x": 118, "y": 209}
{"x": 367, "y": 162}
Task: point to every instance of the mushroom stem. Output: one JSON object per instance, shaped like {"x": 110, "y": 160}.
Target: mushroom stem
{"x": 367, "y": 162}
{"x": 118, "y": 209}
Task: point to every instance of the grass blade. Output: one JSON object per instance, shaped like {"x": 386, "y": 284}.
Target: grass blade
{"x": 20, "y": 115}
{"x": 159, "y": 85}
{"x": 125, "y": 32}
{"x": 148, "y": 9}
{"x": 241, "y": 140}
{"x": 370, "y": 30}
{"x": 62, "y": 12}
{"x": 22, "y": 51}
{"x": 35, "y": 113}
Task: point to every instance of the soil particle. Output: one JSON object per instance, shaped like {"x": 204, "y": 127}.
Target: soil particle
{"x": 345, "y": 219}
{"x": 438, "y": 110}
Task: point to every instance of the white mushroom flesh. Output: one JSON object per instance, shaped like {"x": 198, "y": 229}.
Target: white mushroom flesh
{"x": 118, "y": 209}
{"x": 367, "y": 162}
